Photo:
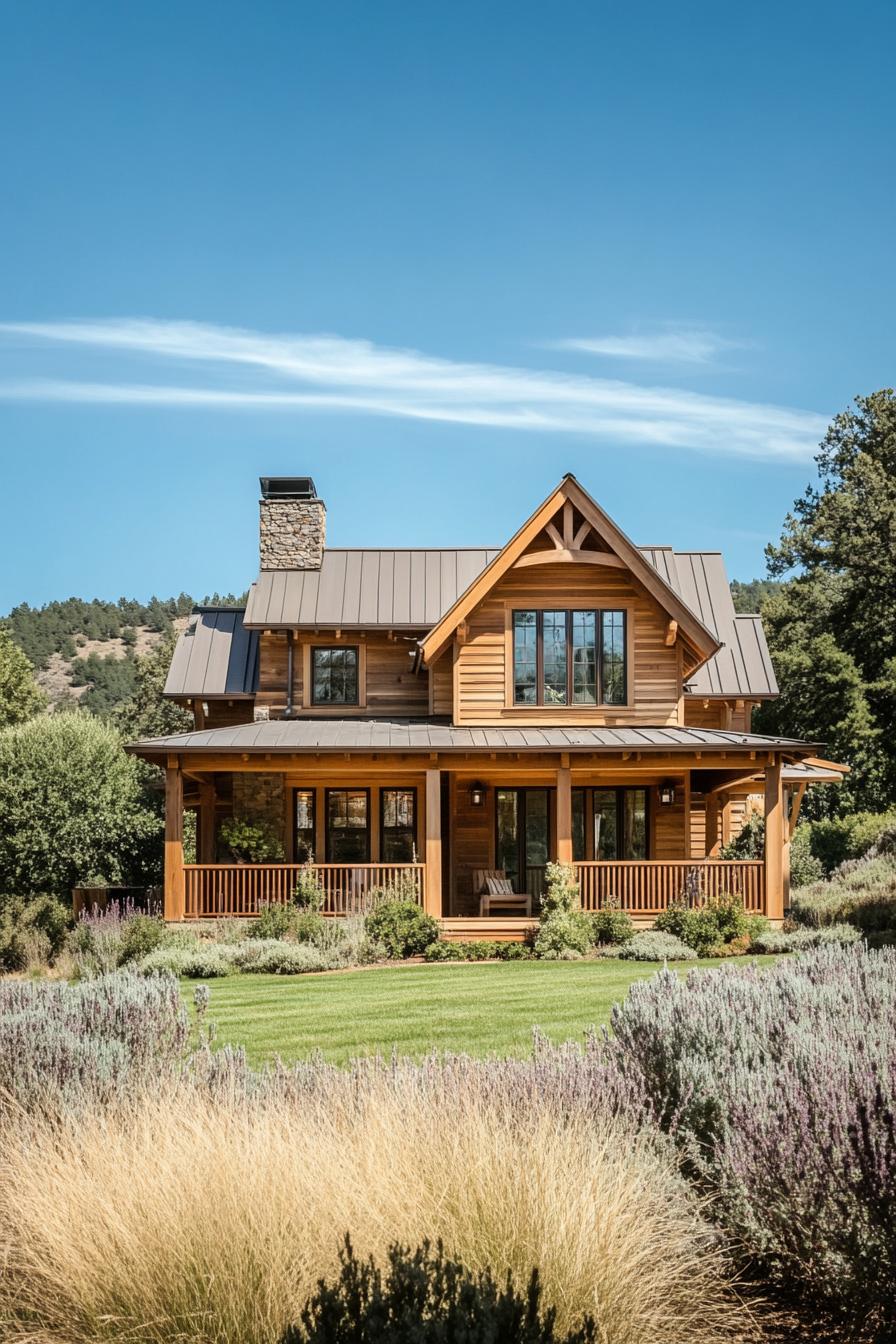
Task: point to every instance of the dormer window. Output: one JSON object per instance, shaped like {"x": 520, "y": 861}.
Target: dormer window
{"x": 569, "y": 657}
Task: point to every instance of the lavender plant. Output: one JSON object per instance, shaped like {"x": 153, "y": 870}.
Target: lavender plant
{"x": 64, "y": 1047}
{"x": 779, "y": 1087}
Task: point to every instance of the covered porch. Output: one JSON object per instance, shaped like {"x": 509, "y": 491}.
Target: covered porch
{"x": 643, "y": 826}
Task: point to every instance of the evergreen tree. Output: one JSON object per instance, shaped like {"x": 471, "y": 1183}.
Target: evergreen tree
{"x": 832, "y": 627}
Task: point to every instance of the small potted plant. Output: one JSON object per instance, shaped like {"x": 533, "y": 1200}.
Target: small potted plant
{"x": 250, "y": 842}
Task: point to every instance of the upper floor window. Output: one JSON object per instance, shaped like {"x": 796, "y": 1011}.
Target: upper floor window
{"x": 334, "y": 675}
{"x": 569, "y": 658}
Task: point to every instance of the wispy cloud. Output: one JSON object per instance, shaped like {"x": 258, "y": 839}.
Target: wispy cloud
{"x": 355, "y": 376}
{"x": 673, "y": 345}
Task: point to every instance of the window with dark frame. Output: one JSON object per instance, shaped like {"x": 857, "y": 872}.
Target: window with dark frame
{"x": 569, "y": 657}
{"x": 348, "y": 825}
{"x": 398, "y": 825}
{"x": 304, "y": 839}
{"x": 334, "y": 675}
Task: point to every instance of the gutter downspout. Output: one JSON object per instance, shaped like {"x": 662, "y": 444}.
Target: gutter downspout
{"x": 289, "y": 672}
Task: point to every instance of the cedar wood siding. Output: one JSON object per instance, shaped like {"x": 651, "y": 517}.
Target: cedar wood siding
{"x": 388, "y": 686}
{"x": 482, "y": 671}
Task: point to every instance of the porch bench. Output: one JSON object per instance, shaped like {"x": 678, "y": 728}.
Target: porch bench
{"x": 483, "y": 878}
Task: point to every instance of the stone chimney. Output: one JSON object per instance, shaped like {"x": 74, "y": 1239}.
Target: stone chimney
{"x": 292, "y": 524}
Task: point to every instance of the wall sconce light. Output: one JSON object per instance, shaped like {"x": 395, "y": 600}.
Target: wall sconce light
{"x": 667, "y": 794}
{"x": 477, "y": 795}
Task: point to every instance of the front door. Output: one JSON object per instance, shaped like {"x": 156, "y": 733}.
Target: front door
{"x": 523, "y": 838}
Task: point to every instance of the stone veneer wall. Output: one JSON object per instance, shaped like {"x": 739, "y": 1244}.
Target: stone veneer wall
{"x": 259, "y": 798}
{"x": 292, "y": 533}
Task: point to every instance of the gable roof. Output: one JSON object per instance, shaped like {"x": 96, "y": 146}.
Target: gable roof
{"x": 216, "y": 657}
{"x": 692, "y": 628}
{"x": 398, "y": 589}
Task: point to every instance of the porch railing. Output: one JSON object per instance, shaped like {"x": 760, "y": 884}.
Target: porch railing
{"x": 212, "y": 889}
{"x": 650, "y": 886}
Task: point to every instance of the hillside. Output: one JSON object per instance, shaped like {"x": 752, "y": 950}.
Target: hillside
{"x": 86, "y": 651}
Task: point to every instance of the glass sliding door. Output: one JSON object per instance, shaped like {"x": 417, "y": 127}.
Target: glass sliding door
{"x": 620, "y": 823}
{"x": 523, "y": 838}
{"x": 398, "y": 825}
{"x": 348, "y": 826}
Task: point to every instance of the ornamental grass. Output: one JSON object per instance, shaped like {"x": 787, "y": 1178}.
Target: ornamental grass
{"x": 206, "y": 1214}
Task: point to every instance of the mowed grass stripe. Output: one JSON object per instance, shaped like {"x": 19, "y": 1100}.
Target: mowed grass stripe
{"x": 481, "y": 1009}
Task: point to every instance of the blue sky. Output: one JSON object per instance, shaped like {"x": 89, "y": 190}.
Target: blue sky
{"x": 434, "y": 256}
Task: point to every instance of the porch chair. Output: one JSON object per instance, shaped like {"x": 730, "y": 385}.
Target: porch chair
{"x": 493, "y": 887}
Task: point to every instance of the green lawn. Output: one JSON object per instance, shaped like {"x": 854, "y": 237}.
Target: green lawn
{"x": 479, "y": 1008}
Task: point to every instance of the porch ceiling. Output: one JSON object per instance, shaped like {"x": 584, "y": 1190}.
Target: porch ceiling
{"x": 415, "y": 735}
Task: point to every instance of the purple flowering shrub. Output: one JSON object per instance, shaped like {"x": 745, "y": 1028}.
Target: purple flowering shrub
{"x": 779, "y": 1087}
{"x": 65, "y": 1046}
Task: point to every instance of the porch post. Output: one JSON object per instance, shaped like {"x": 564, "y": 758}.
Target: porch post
{"x": 774, "y": 842}
{"x": 174, "y": 840}
{"x": 713, "y": 844}
{"x": 432, "y": 896}
{"x": 564, "y": 815}
{"x": 207, "y": 821}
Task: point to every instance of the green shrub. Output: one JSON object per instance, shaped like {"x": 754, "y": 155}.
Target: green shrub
{"x": 207, "y": 961}
{"x": 425, "y": 1298}
{"x": 274, "y": 921}
{"x": 140, "y": 935}
{"x": 480, "y": 950}
{"x": 805, "y": 867}
{"x": 655, "y": 945}
{"x": 561, "y": 890}
{"x": 717, "y": 922}
{"x": 563, "y": 935}
{"x": 771, "y": 942}
{"x": 611, "y": 926}
{"x": 164, "y": 959}
{"x": 312, "y": 928}
{"x": 279, "y": 958}
{"x": 32, "y": 932}
{"x": 402, "y": 928}
{"x": 308, "y": 894}
{"x": 838, "y": 839}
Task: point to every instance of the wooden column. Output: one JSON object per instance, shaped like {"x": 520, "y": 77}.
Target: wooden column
{"x": 433, "y": 858}
{"x": 686, "y": 792}
{"x": 564, "y": 815}
{"x": 775, "y": 839}
{"x": 713, "y": 843}
{"x": 207, "y": 821}
{"x": 174, "y": 840}
{"x": 725, "y": 800}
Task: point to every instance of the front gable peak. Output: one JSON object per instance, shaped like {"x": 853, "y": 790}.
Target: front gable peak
{"x": 570, "y": 528}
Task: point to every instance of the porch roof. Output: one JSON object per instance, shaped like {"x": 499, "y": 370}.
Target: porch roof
{"x": 426, "y": 735}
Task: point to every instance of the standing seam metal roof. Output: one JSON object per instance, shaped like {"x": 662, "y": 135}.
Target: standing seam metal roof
{"x": 323, "y": 735}
{"x": 215, "y": 656}
{"x": 390, "y": 588}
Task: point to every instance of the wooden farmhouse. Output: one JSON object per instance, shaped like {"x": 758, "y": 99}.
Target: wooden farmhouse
{"x": 446, "y": 722}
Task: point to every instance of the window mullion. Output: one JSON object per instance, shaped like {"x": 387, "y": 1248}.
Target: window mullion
{"x": 539, "y": 658}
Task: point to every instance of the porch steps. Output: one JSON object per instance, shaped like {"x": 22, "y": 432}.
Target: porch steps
{"x": 504, "y": 929}
{"x": 492, "y": 928}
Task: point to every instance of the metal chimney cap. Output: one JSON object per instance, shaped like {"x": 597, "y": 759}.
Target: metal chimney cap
{"x": 287, "y": 487}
